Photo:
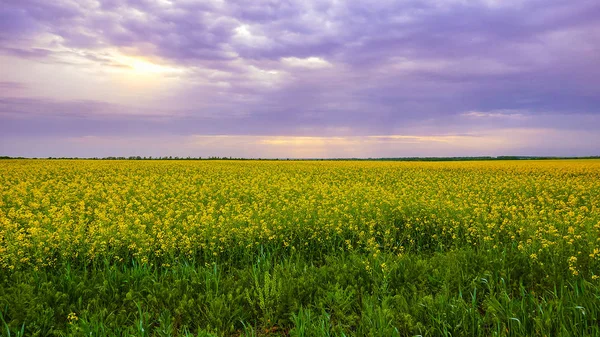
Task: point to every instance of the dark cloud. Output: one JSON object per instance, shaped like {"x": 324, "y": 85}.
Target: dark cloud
{"x": 353, "y": 32}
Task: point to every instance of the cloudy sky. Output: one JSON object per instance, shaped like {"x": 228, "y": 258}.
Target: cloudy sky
{"x": 310, "y": 78}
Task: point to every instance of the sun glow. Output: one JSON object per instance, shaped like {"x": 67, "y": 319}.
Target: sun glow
{"x": 141, "y": 66}
{"x": 146, "y": 67}
{"x": 137, "y": 76}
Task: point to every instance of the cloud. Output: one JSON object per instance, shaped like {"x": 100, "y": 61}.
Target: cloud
{"x": 9, "y": 85}
{"x": 34, "y": 53}
{"x": 34, "y": 108}
{"x": 298, "y": 68}
{"x": 503, "y": 114}
{"x": 308, "y": 62}
{"x": 187, "y": 30}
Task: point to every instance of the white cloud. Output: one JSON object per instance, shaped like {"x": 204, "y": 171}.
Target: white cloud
{"x": 500, "y": 114}
{"x": 308, "y": 62}
{"x": 246, "y": 36}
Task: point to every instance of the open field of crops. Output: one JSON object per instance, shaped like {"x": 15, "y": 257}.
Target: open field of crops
{"x": 256, "y": 248}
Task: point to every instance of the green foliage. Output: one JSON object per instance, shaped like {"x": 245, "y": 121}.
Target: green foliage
{"x": 460, "y": 293}
{"x": 265, "y": 296}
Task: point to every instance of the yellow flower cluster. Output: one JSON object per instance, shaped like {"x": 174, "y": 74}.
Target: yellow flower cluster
{"x": 150, "y": 211}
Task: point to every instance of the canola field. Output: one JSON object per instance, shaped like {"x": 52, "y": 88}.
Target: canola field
{"x": 299, "y": 248}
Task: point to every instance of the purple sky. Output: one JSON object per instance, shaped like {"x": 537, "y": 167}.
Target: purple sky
{"x": 316, "y": 78}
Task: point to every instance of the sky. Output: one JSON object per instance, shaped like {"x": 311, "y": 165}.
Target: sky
{"x": 299, "y": 79}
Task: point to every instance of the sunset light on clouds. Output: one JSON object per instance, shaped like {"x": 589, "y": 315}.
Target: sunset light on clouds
{"x": 299, "y": 79}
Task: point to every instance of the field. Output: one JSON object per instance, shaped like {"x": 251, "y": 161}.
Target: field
{"x": 269, "y": 248}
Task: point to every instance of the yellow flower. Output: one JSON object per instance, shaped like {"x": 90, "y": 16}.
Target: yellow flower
{"x": 72, "y": 317}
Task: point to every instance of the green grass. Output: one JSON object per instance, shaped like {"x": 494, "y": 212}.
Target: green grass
{"x": 457, "y": 293}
